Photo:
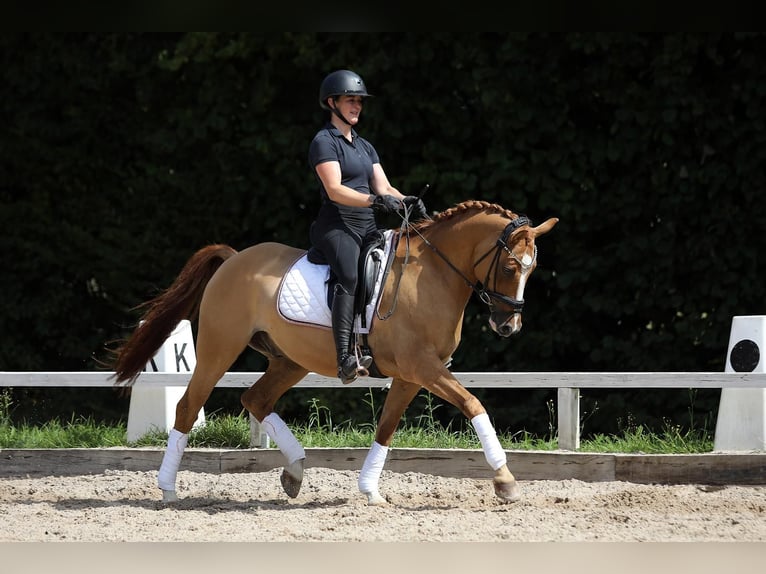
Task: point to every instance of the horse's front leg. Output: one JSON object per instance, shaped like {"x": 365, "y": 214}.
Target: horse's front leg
{"x": 506, "y": 487}
{"x": 447, "y": 387}
{"x": 399, "y": 396}
{"x": 280, "y": 375}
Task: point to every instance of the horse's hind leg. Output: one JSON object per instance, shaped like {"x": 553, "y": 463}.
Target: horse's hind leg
{"x": 217, "y": 349}
{"x": 259, "y": 399}
{"x": 187, "y": 409}
{"x": 399, "y": 396}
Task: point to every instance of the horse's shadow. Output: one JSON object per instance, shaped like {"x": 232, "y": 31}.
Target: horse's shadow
{"x": 217, "y": 505}
{"x": 197, "y": 503}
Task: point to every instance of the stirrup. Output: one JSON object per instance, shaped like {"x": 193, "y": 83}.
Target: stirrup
{"x": 353, "y": 366}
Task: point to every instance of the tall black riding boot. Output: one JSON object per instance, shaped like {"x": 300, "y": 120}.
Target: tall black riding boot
{"x": 349, "y": 368}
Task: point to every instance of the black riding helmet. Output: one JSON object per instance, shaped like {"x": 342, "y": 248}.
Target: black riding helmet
{"x": 341, "y": 83}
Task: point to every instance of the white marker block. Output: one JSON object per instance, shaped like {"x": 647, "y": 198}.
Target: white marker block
{"x": 153, "y": 407}
{"x": 741, "y": 422}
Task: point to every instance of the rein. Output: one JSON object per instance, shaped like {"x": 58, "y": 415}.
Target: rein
{"x": 486, "y": 296}
{"x": 404, "y": 229}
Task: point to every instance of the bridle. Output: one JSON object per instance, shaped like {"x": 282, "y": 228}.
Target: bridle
{"x": 501, "y": 245}
{"x": 487, "y": 296}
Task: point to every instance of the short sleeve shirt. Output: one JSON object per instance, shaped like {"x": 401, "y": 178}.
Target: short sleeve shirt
{"x": 356, "y": 159}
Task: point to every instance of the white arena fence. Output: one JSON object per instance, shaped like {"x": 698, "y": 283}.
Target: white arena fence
{"x": 569, "y": 386}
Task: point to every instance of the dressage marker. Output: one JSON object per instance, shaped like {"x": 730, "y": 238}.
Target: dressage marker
{"x": 741, "y": 421}
{"x": 153, "y": 408}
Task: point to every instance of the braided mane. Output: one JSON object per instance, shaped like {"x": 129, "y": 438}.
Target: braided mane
{"x": 466, "y": 206}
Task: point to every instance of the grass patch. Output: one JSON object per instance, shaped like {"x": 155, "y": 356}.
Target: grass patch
{"x": 230, "y": 431}
{"x": 227, "y": 431}
{"x": 83, "y": 433}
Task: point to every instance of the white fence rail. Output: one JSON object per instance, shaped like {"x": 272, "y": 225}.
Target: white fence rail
{"x": 568, "y": 385}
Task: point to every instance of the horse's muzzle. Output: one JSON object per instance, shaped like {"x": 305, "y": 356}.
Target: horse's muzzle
{"x": 505, "y": 324}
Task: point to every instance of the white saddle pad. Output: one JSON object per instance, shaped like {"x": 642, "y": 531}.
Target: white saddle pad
{"x": 303, "y": 292}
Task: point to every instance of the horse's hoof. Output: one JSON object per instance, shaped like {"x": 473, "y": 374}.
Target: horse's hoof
{"x": 507, "y": 491}
{"x": 169, "y": 496}
{"x": 292, "y": 478}
{"x": 375, "y": 499}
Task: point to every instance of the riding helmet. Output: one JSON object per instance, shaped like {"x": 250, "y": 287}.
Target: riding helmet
{"x": 340, "y": 83}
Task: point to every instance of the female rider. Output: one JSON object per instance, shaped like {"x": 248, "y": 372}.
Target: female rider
{"x": 352, "y": 185}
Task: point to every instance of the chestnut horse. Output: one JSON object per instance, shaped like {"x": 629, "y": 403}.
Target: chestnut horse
{"x": 474, "y": 246}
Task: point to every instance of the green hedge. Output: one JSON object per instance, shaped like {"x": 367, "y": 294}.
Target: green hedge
{"x": 122, "y": 154}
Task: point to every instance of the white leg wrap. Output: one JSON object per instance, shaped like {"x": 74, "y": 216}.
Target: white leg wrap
{"x": 284, "y": 439}
{"x": 372, "y": 469}
{"x": 166, "y": 477}
{"x": 493, "y": 451}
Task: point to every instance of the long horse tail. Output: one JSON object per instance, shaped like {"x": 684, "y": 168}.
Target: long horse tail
{"x": 162, "y": 314}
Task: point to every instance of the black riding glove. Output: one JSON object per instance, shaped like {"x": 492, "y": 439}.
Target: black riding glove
{"x": 416, "y": 208}
{"x": 386, "y": 204}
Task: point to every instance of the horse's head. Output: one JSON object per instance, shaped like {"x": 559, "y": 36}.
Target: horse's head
{"x": 508, "y": 265}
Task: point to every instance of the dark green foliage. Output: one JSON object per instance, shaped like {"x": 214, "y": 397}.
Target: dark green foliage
{"x": 122, "y": 154}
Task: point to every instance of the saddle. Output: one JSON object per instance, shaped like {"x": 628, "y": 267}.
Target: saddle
{"x": 307, "y": 289}
{"x": 371, "y": 258}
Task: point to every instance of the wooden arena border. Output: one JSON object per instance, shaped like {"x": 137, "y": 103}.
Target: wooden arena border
{"x": 705, "y": 469}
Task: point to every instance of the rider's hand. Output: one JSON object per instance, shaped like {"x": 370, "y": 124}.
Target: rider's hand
{"x": 416, "y": 208}
{"x": 386, "y": 204}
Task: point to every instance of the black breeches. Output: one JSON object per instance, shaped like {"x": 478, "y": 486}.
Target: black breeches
{"x": 341, "y": 248}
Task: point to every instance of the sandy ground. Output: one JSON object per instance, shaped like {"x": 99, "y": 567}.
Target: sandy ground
{"x": 125, "y": 506}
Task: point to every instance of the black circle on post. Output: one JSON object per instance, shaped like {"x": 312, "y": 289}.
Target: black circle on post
{"x": 745, "y": 356}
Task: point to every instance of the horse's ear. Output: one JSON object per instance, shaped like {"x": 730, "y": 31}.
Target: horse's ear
{"x": 545, "y": 226}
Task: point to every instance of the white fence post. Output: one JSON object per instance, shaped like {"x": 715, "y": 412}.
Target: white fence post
{"x": 258, "y": 436}
{"x": 741, "y": 422}
{"x": 153, "y": 407}
{"x": 569, "y": 418}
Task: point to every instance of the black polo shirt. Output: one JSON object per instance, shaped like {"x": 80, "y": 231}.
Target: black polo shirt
{"x": 356, "y": 159}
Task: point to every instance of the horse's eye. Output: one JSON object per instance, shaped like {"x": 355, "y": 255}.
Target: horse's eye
{"x": 509, "y": 270}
